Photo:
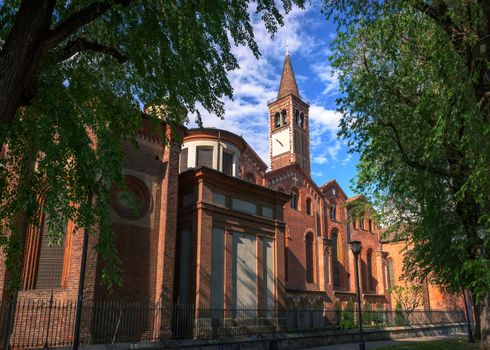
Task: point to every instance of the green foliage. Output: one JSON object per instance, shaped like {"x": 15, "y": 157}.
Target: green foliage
{"x": 65, "y": 148}
{"x": 347, "y": 317}
{"x": 408, "y": 296}
{"x": 399, "y": 315}
{"x": 415, "y": 106}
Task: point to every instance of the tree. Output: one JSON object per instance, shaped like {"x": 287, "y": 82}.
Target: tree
{"x": 409, "y": 296}
{"x": 73, "y": 78}
{"x": 415, "y": 103}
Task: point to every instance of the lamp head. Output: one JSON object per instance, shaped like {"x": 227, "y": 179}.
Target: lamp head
{"x": 355, "y": 246}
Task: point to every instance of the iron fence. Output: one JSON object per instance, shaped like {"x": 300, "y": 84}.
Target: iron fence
{"x": 35, "y": 323}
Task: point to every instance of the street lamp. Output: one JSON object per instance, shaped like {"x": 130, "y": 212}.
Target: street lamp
{"x": 356, "y": 250}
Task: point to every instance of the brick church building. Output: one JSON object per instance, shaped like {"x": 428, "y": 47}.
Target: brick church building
{"x": 216, "y": 229}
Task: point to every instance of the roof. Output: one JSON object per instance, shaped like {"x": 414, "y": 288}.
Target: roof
{"x": 356, "y": 198}
{"x": 224, "y": 134}
{"x": 288, "y": 84}
{"x": 333, "y": 182}
{"x": 295, "y": 166}
{"x": 284, "y": 197}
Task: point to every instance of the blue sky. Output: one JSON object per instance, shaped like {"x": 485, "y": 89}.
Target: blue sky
{"x": 309, "y": 35}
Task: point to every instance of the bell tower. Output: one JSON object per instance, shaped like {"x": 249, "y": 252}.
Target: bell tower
{"x": 289, "y": 135}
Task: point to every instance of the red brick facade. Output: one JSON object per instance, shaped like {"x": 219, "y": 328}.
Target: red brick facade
{"x": 207, "y": 223}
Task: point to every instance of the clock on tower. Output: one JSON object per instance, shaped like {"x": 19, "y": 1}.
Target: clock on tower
{"x": 289, "y": 129}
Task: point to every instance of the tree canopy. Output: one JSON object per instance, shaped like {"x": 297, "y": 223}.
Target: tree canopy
{"x": 77, "y": 73}
{"x": 415, "y": 104}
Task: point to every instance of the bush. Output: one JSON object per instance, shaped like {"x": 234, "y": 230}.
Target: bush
{"x": 399, "y": 316}
{"x": 347, "y": 319}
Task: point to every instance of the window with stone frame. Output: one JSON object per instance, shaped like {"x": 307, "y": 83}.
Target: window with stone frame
{"x": 44, "y": 259}
{"x": 308, "y": 206}
{"x": 361, "y": 222}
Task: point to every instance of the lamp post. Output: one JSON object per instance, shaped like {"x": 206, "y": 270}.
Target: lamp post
{"x": 356, "y": 249}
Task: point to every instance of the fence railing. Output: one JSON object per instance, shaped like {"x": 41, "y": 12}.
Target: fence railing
{"x": 40, "y": 323}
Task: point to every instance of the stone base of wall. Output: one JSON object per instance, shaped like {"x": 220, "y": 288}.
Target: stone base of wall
{"x": 299, "y": 340}
{"x": 303, "y": 340}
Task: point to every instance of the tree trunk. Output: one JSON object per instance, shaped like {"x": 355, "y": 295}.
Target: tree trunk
{"x": 477, "y": 330}
{"x": 19, "y": 58}
{"x": 485, "y": 323}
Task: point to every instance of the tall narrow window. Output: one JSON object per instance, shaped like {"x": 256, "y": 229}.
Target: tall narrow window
{"x": 204, "y": 157}
{"x": 294, "y": 200}
{"x": 335, "y": 260}
{"x": 361, "y": 222}
{"x": 183, "y": 160}
{"x": 286, "y": 262}
{"x": 390, "y": 278}
{"x": 318, "y": 224}
{"x": 309, "y": 257}
{"x": 228, "y": 163}
{"x": 296, "y": 117}
{"x": 277, "y": 120}
{"x": 370, "y": 225}
{"x": 301, "y": 120}
{"x": 308, "y": 206}
{"x": 333, "y": 212}
{"x": 369, "y": 267}
{"x": 50, "y": 263}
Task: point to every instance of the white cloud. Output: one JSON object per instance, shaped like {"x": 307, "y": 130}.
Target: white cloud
{"x": 326, "y": 75}
{"x": 257, "y": 81}
{"x": 347, "y": 159}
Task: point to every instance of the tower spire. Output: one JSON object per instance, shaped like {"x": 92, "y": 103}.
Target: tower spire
{"x": 288, "y": 81}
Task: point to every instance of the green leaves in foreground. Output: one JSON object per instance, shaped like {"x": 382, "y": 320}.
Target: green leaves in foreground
{"x": 414, "y": 107}
{"x": 100, "y": 63}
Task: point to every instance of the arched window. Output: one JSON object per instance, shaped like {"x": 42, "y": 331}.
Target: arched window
{"x": 249, "y": 177}
{"x": 309, "y": 257}
{"x": 308, "y": 206}
{"x": 333, "y": 212}
{"x": 361, "y": 222}
{"x": 43, "y": 263}
{"x": 283, "y": 117}
{"x": 277, "y": 120}
{"x": 335, "y": 259}
{"x": 296, "y": 117}
{"x": 294, "y": 200}
{"x": 370, "y": 225}
{"x": 302, "y": 120}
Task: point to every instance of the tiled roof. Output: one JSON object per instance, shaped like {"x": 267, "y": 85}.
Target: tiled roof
{"x": 288, "y": 81}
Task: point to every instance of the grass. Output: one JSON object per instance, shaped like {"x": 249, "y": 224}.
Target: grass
{"x": 450, "y": 344}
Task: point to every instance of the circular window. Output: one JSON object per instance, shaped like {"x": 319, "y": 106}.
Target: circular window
{"x": 133, "y": 204}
